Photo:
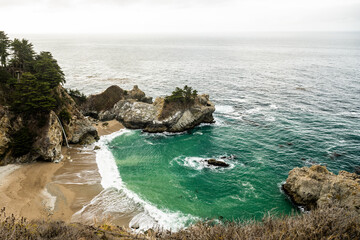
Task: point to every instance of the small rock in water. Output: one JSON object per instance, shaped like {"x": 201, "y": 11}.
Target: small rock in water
{"x": 281, "y": 146}
{"x": 217, "y": 163}
{"x": 304, "y": 159}
{"x": 335, "y": 155}
{"x": 135, "y": 226}
{"x": 96, "y": 148}
{"x": 289, "y": 143}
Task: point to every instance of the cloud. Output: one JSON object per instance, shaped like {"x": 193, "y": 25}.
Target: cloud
{"x": 178, "y": 16}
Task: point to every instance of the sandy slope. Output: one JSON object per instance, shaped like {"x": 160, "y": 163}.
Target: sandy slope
{"x": 53, "y": 190}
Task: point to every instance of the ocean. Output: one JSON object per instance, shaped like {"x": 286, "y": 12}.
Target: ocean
{"x": 283, "y": 100}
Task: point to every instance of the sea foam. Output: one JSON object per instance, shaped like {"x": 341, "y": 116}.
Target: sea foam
{"x": 147, "y": 215}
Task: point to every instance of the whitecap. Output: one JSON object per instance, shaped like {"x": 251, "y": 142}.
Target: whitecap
{"x": 224, "y": 109}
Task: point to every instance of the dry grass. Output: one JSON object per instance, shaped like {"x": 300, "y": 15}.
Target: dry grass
{"x": 325, "y": 223}
{"x": 12, "y": 228}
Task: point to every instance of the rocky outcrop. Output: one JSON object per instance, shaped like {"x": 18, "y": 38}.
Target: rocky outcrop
{"x": 316, "y": 186}
{"x": 136, "y": 111}
{"x": 106, "y": 100}
{"x": 45, "y": 143}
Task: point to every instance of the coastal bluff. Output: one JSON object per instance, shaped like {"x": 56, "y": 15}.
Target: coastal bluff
{"x": 315, "y": 186}
{"x": 136, "y": 111}
{"x": 27, "y": 138}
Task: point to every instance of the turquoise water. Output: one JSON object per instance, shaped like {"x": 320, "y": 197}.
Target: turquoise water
{"x": 282, "y": 101}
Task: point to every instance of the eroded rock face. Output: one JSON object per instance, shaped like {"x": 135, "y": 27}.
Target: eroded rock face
{"x": 79, "y": 129}
{"x": 4, "y": 130}
{"x": 48, "y": 143}
{"x": 316, "y": 186}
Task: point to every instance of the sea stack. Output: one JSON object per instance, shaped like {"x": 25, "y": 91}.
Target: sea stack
{"x": 136, "y": 111}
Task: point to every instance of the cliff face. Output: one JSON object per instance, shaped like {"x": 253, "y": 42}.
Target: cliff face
{"x": 78, "y": 128}
{"x": 41, "y": 135}
{"x": 136, "y": 111}
{"x": 316, "y": 186}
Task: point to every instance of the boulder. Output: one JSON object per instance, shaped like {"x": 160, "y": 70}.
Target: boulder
{"x": 217, "y": 163}
{"x": 315, "y": 186}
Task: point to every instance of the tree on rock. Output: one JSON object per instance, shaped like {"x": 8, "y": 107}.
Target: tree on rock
{"x": 47, "y": 70}
{"x": 185, "y": 95}
{"x": 23, "y": 55}
{"x": 32, "y": 96}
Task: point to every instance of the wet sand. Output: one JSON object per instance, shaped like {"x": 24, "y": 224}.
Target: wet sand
{"x": 55, "y": 191}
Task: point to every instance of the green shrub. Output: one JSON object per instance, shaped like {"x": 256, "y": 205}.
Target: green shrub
{"x": 5, "y": 76}
{"x": 78, "y": 96}
{"x": 65, "y": 116}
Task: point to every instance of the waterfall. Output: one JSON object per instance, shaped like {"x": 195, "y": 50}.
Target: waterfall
{"x": 67, "y": 144}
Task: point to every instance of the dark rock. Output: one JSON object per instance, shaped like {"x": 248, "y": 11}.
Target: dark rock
{"x": 335, "y": 155}
{"x": 96, "y": 148}
{"x": 217, "y": 163}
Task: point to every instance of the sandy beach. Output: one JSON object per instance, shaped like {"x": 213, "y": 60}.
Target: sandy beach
{"x": 55, "y": 191}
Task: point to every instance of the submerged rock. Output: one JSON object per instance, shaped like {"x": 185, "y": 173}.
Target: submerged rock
{"x": 217, "y": 163}
{"x": 315, "y": 186}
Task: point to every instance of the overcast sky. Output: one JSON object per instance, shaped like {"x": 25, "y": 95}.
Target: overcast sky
{"x": 177, "y": 16}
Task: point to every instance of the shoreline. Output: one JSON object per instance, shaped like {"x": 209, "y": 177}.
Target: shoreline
{"x": 55, "y": 191}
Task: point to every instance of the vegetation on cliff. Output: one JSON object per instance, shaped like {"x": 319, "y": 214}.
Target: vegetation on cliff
{"x": 30, "y": 92}
{"x": 186, "y": 95}
{"x": 29, "y": 78}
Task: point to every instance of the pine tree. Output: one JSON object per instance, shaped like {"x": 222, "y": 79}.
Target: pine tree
{"x": 32, "y": 96}
{"x": 4, "y": 47}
